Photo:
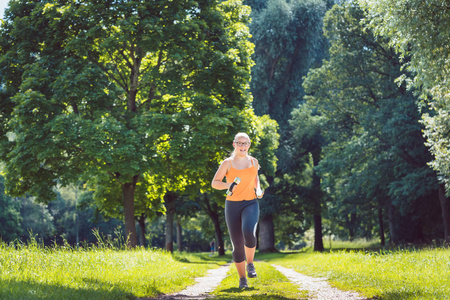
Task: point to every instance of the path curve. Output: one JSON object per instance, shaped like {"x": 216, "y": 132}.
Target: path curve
{"x": 203, "y": 287}
{"x": 318, "y": 287}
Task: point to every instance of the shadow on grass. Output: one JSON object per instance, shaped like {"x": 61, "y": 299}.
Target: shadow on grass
{"x": 276, "y": 255}
{"x": 238, "y": 293}
{"x": 35, "y": 290}
{"x": 238, "y": 290}
{"x": 236, "y": 296}
{"x": 202, "y": 259}
{"x": 411, "y": 295}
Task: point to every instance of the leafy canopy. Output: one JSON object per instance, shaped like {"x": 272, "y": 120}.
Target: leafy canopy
{"x": 105, "y": 92}
{"x": 420, "y": 31}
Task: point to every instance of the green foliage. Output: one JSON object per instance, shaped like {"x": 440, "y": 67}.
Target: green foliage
{"x": 420, "y": 31}
{"x": 256, "y": 4}
{"x": 375, "y": 152}
{"x": 266, "y": 144}
{"x": 286, "y": 35}
{"x": 198, "y": 232}
{"x": 36, "y": 220}
{"x": 10, "y": 218}
{"x": 65, "y": 220}
{"x": 108, "y": 97}
{"x": 299, "y": 182}
{"x": 288, "y": 41}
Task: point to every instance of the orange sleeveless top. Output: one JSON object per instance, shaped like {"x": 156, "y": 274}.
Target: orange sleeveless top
{"x": 245, "y": 190}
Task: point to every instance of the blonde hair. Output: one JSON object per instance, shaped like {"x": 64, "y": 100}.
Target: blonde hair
{"x": 239, "y": 135}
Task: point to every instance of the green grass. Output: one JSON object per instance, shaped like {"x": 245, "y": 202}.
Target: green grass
{"x": 32, "y": 272}
{"x": 270, "y": 284}
{"x": 401, "y": 274}
{"x": 349, "y": 245}
{"x": 109, "y": 272}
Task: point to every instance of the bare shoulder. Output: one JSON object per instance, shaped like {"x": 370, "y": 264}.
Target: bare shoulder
{"x": 227, "y": 163}
{"x": 255, "y": 161}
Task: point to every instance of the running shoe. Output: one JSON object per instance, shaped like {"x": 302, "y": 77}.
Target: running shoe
{"x": 251, "y": 270}
{"x": 243, "y": 283}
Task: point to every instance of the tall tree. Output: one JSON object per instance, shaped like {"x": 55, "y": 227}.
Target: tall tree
{"x": 376, "y": 145}
{"x": 420, "y": 30}
{"x": 286, "y": 35}
{"x": 288, "y": 41}
{"x": 307, "y": 143}
{"x": 95, "y": 85}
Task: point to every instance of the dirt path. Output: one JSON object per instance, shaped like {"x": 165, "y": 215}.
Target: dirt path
{"x": 318, "y": 287}
{"x": 203, "y": 287}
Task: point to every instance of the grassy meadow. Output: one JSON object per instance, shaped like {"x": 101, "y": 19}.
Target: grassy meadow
{"x": 384, "y": 274}
{"x": 35, "y": 272}
{"x": 106, "y": 272}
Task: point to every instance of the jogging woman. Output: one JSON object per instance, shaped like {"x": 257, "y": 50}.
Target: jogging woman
{"x": 241, "y": 205}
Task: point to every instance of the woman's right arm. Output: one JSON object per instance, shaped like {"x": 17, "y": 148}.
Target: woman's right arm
{"x": 217, "y": 182}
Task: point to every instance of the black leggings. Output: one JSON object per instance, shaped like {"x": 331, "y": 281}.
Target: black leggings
{"x": 242, "y": 219}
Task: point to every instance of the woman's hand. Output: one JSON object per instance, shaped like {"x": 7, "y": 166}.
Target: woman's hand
{"x": 259, "y": 193}
{"x": 233, "y": 188}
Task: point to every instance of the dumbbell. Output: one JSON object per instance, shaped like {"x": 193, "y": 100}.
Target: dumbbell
{"x": 235, "y": 182}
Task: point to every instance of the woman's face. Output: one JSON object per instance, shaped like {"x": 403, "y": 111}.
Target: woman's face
{"x": 241, "y": 145}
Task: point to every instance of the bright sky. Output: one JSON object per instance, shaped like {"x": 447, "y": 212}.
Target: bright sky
{"x": 3, "y": 5}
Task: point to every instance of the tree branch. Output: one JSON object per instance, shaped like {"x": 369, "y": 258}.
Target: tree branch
{"x": 105, "y": 70}
{"x": 123, "y": 78}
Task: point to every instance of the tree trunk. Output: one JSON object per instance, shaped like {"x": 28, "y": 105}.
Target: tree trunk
{"x": 318, "y": 237}
{"x": 214, "y": 216}
{"x": 445, "y": 207}
{"x": 219, "y": 236}
{"x": 128, "y": 190}
{"x": 170, "y": 213}
{"x": 352, "y": 227}
{"x": 77, "y": 218}
{"x": 317, "y": 203}
{"x": 141, "y": 221}
{"x": 381, "y": 225}
{"x": 266, "y": 234}
{"x": 179, "y": 237}
{"x": 391, "y": 218}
